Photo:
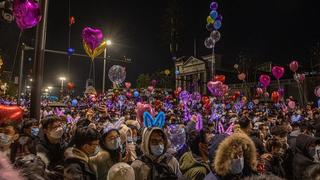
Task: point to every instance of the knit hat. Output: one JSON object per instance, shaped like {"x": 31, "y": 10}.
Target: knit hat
{"x": 121, "y": 171}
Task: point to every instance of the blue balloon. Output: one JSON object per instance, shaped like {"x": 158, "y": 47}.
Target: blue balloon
{"x": 177, "y": 72}
{"x": 74, "y": 102}
{"x": 319, "y": 103}
{"x": 214, "y": 14}
{"x": 70, "y": 51}
{"x": 136, "y": 94}
{"x": 217, "y": 24}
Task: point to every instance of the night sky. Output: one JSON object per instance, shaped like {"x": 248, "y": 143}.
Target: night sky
{"x": 279, "y": 30}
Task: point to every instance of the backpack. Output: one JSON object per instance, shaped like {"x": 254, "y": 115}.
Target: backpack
{"x": 161, "y": 170}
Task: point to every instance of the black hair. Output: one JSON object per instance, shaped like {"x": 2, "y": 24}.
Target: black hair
{"x": 14, "y": 124}
{"x": 244, "y": 122}
{"x": 84, "y": 136}
{"x": 48, "y": 120}
{"x": 193, "y": 140}
{"x": 83, "y": 122}
{"x": 273, "y": 142}
{"x": 279, "y": 131}
{"x": 27, "y": 123}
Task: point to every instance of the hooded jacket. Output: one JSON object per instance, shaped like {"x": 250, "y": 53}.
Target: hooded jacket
{"x": 302, "y": 159}
{"x": 121, "y": 171}
{"x": 193, "y": 168}
{"x": 77, "y": 165}
{"x": 226, "y": 152}
{"x": 141, "y": 169}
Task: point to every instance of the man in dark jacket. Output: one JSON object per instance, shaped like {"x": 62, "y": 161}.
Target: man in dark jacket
{"x": 77, "y": 166}
{"x": 51, "y": 146}
{"x": 305, "y": 150}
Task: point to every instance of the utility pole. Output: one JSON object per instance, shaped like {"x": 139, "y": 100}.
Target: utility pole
{"x": 39, "y": 62}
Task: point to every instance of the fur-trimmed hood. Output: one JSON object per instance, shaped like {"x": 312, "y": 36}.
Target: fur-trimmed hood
{"x": 226, "y": 152}
{"x": 74, "y": 153}
{"x": 146, "y": 138}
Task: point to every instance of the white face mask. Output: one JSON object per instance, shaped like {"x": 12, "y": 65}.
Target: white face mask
{"x": 114, "y": 144}
{"x": 237, "y": 166}
{"x": 56, "y": 133}
{"x": 5, "y": 139}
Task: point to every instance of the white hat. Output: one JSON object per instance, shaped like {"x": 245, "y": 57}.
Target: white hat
{"x": 121, "y": 171}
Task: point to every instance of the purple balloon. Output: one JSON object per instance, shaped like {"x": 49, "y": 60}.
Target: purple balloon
{"x": 27, "y": 13}
{"x": 214, "y": 6}
{"x": 184, "y": 96}
{"x": 92, "y": 37}
{"x": 281, "y": 91}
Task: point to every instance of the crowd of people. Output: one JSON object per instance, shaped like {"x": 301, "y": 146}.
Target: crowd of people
{"x": 158, "y": 135}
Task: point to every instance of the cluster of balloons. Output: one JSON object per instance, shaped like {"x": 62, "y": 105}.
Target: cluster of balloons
{"x": 117, "y": 74}
{"x": 217, "y": 86}
{"x": 13, "y": 113}
{"x": 26, "y": 13}
{"x": 214, "y": 23}
{"x": 93, "y": 42}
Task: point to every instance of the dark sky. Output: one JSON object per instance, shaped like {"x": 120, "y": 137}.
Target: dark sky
{"x": 281, "y": 30}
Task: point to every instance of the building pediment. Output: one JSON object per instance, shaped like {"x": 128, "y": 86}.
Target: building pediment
{"x": 192, "y": 61}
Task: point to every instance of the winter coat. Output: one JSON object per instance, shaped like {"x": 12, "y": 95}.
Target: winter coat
{"x": 192, "y": 168}
{"x": 141, "y": 169}
{"x": 102, "y": 162}
{"x": 274, "y": 165}
{"x": 302, "y": 159}
{"x": 77, "y": 165}
{"x": 226, "y": 152}
{"x": 51, "y": 154}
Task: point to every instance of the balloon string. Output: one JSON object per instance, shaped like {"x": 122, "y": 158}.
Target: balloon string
{"x": 16, "y": 54}
{"x": 94, "y": 74}
{"x": 90, "y": 69}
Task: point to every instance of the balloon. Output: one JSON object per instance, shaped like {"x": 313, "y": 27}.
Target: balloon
{"x": 291, "y": 104}
{"x": 217, "y": 24}
{"x": 179, "y": 89}
{"x": 318, "y": 103}
{"x": 266, "y": 94}
{"x": 242, "y": 76}
{"x": 70, "y": 51}
{"x": 236, "y": 66}
{"x": 317, "y": 91}
{"x": 150, "y": 88}
{"x": 294, "y": 65}
{"x": 92, "y": 37}
{"x": 136, "y": 94}
{"x": 117, "y": 74}
{"x": 210, "y": 20}
{"x": 214, "y": 6}
{"x": 74, "y": 102}
{"x": 213, "y": 14}
{"x": 184, "y": 96}
{"x": 96, "y": 52}
{"x": 302, "y": 77}
{"x": 219, "y": 17}
{"x": 281, "y": 92}
{"x": 215, "y": 36}
{"x": 129, "y": 95}
{"x": 210, "y": 27}
{"x": 177, "y": 72}
{"x": 205, "y": 100}
{"x": 167, "y": 72}
{"x": 256, "y": 101}
{"x": 237, "y": 94}
{"x": 264, "y": 80}
{"x": 277, "y": 72}
{"x": 71, "y": 85}
{"x": 10, "y": 113}
{"x": 196, "y": 96}
{"x": 209, "y": 43}
{"x": 220, "y": 78}
{"x": 275, "y": 96}
{"x": 154, "y": 82}
{"x": 127, "y": 85}
{"x": 259, "y": 91}
{"x": 27, "y": 13}
{"x": 177, "y": 136}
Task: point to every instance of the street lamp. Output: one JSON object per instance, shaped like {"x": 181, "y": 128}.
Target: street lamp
{"x": 62, "y": 79}
{"x": 108, "y": 41}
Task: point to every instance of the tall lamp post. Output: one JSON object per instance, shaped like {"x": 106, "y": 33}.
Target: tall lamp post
{"x": 62, "y": 79}
{"x": 104, "y": 65}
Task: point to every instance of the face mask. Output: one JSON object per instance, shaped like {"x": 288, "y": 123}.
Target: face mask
{"x": 114, "y": 144}
{"x": 34, "y": 131}
{"x": 237, "y": 166}
{"x": 4, "y": 139}
{"x": 57, "y": 133}
{"x": 96, "y": 151}
{"x": 129, "y": 139}
{"x": 157, "y": 150}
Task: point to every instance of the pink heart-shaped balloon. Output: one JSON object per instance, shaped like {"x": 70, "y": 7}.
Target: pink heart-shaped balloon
{"x": 92, "y": 37}
{"x": 278, "y": 72}
{"x": 27, "y": 13}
